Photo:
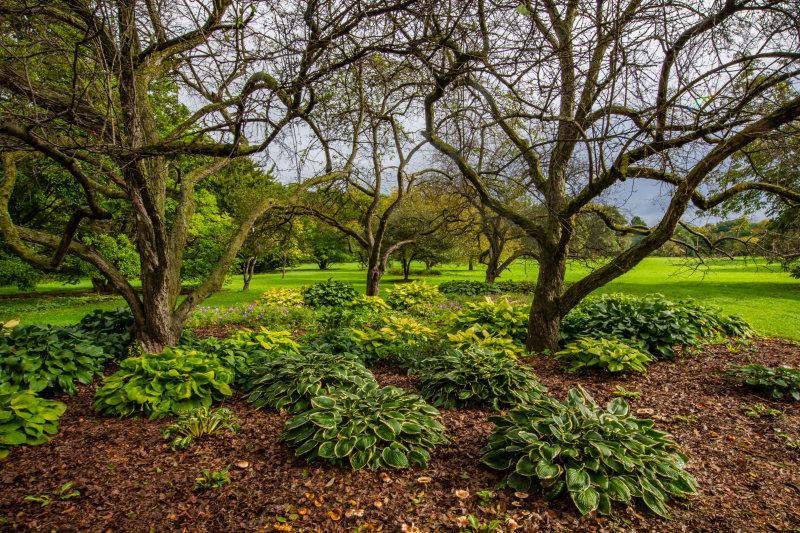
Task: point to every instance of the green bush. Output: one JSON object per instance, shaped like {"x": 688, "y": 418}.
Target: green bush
{"x": 110, "y": 330}
{"x": 477, "y": 336}
{"x": 463, "y": 287}
{"x": 774, "y": 382}
{"x": 374, "y": 427}
{"x": 290, "y": 382}
{"x": 596, "y": 456}
{"x": 159, "y": 385}
{"x": 476, "y": 377}
{"x": 498, "y": 317}
{"x": 339, "y": 341}
{"x": 26, "y": 418}
{"x": 417, "y": 297}
{"x": 653, "y": 322}
{"x": 197, "y": 423}
{"x": 374, "y": 304}
{"x": 329, "y": 293}
{"x": 278, "y": 297}
{"x": 525, "y": 287}
{"x": 49, "y": 359}
{"x": 604, "y": 354}
{"x": 398, "y": 340}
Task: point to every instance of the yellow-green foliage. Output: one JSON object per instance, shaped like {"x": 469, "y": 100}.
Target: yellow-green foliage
{"x": 281, "y": 297}
{"x": 478, "y": 336}
{"x": 375, "y": 304}
{"x": 397, "y": 338}
{"x": 497, "y": 316}
{"x": 417, "y": 297}
{"x": 264, "y": 339}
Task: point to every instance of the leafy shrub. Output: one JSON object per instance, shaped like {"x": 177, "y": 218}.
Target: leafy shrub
{"x": 464, "y": 287}
{"x": 653, "y": 322}
{"x": 198, "y": 422}
{"x": 398, "y": 340}
{"x": 498, "y": 317}
{"x": 417, "y": 297}
{"x": 604, "y": 354}
{"x": 331, "y": 293}
{"x": 290, "y": 382}
{"x": 270, "y": 341}
{"x": 597, "y": 456}
{"x": 159, "y": 385}
{"x": 525, "y": 287}
{"x": 281, "y": 297}
{"x": 477, "y": 336}
{"x": 251, "y": 315}
{"x": 26, "y": 418}
{"x": 475, "y": 377}
{"x": 374, "y": 427}
{"x": 110, "y": 330}
{"x": 337, "y": 317}
{"x": 49, "y": 359}
{"x": 774, "y": 382}
{"x": 375, "y": 304}
{"x": 338, "y": 341}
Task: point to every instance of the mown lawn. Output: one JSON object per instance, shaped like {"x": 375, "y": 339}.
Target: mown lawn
{"x": 767, "y": 297}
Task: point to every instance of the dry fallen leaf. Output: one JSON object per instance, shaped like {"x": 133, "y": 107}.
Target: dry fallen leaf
{"x": 423, "y": 479}
{"x": 335, "y": 514}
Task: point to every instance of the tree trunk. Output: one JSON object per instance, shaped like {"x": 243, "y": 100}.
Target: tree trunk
{"x": 283, "y": 272}
{"x": 247, "y": 272}
{"x": 491, "y": 269}
{"x": 471, "y": 266}
{"x": 158, "y": 327}
{"x": 102, "y": 286}
{"x": 544, "y": 321}
{"x": 375, "y": 271}
{"x": 322, "y": 264}
{"x": 406, "y": 269}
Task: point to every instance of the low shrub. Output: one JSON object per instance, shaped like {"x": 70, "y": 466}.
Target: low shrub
{"x": 653, "y": 322}
{"x": 159, "y": 385}
{"x": 477, "y": 336}
{"x": 49, "y": 359}
{"x": 110, "y": 330}
{"x": 520, "y": 287}
{"x": 417, "y": 297}
{"x": 476, "y": 377}
{"x": 373, "y": 427}
{"x": 595, "y": 455}
{"x": 278, "y": 297}
{"x": 25, "y": 418}
{"x": 497, "y": 316}
{"x": 197, "y": 423}
{"x": 774, "y": 382}
{"x": 289, "y": 383}
{"x": 331, "y": 293}
{"x": 374, "y": 304}
{"x": 464, "y": 287}
{"x": 397, "y": 340}
{"x": 339, "y": 341}
{"x": 604, "y": 354}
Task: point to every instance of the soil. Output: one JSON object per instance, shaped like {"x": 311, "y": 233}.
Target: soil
{"x": 130, "y": 480}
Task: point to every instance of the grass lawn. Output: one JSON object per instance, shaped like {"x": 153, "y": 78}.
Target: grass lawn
{"x": 766, "y": 297}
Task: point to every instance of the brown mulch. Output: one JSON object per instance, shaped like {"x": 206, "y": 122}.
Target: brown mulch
{"x": 129, "y": 479}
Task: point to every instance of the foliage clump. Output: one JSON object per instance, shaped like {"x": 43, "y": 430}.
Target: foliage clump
{"x": 277, "y": 297}
{"x": 196, "y": 423}
{"x": 774, "y": 382}
{"x": 398, "y": 340}
{"x": 464, "y": 287}
{"x": 331, "y": 293}
{"x": 159, "y": 385}
{"x": 497, "y": 316}
{"x": 417, "y": 297}
{"x": 477, "y": 336}
{"x": 374, "y": 304}
{"x": 608, "y": 355}
{"x": 594, "y": 455}
{"x": 653, "y": 322}
{"x": 373, "y": 427}
{"x": 108, "y": 329}
{"x": 49, "y": 359}
{"x": 476, "y": 377}
{"x": 289, "y": 383}
{"x": 25, "y": 418}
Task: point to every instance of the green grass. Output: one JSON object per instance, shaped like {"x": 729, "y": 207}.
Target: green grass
{"x": 766, "y": 297}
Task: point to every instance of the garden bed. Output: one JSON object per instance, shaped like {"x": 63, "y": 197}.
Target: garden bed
{"x": 130, "y": 480}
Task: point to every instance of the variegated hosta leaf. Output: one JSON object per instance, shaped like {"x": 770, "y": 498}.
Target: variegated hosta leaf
{"x": 596, "y": 455}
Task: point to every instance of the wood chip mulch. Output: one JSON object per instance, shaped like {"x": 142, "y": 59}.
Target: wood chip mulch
{"x": 130, "y": 480}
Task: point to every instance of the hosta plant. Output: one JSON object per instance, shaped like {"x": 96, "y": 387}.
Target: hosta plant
{"x": 476, "y": 377}
{"x": 331, "y": 293}
{"x": 375, "y": 304}
{"x": 497, "y": 316}
{"x": 159, "y": 385}
{"x": 608, "y": 355}
{"x": 774, "y": 382}
{"x": 398, "y": 339}
{"x": 417, "y": 297}
{"x": 239, "y": 359}
{"x": 464, "y": 287}
{"x": 110, "y": 330}
{"x": 478, "y": 336}
{"x": 289, "y": 383}
{"x": 594, "y": 455}
{"x": 278, "y": 297}
{"x": 25, "y": 418}
{"x": 198, "y": 422}
{"x": 370, "y": 427}
{"x": 49, "y": 359}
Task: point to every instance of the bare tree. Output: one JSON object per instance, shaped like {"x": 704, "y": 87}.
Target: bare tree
{"x": 78, "y": 80}
{"x": 594, "y": 94}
